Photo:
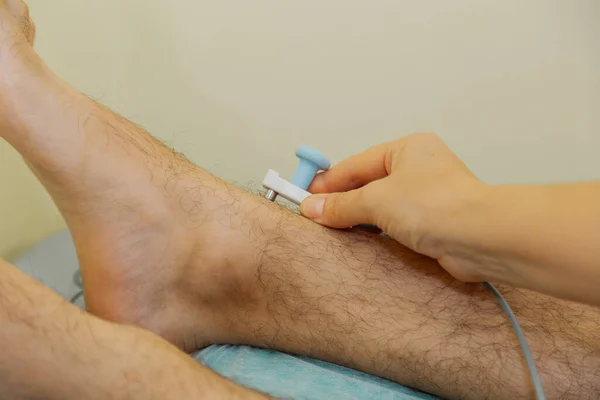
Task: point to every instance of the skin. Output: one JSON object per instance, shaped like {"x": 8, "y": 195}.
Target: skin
{"x": 537, "y": 237}
{"x": 170, "y": 248}
{"x": 52, "y": 350}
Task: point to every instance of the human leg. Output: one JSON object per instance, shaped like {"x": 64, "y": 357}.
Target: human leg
{"x": 167, "y": 246}
{"x": 49, "y": 350}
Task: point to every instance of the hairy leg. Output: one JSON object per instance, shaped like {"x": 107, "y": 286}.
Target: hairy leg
{"x": 49, "y": 350}
{"x": 167, "y": 246}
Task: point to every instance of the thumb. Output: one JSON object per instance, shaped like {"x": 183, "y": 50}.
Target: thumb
{"x": 337, "y": 210}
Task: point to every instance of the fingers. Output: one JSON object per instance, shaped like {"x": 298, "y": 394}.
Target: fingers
{"x": 354, "y": 172}
{"x": 338, "y": 210}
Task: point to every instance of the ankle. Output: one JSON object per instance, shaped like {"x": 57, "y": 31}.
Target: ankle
{"x": 200, "y": 260}
{"x": 224, "y": 271}
{"x": 244, "y": 236}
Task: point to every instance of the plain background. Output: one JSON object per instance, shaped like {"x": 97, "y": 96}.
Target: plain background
{"x": 512, "y": 86}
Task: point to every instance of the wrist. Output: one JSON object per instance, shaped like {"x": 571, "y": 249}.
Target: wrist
{"x": 472, "y": 238}
{"x": 485, "y": 237}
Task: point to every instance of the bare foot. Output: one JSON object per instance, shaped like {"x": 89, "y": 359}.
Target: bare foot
{"x": 158, "y": 239}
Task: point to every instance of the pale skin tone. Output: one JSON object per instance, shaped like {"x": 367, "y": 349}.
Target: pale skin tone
{"x": 542, "y": 237}
{"x": 52, "y": 350}
{"x": 170, "y": 248}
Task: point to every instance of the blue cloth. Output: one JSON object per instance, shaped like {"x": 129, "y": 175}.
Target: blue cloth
{"x": 291, "y": 377}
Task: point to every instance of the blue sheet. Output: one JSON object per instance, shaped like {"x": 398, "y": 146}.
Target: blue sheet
{"x": 291, "y": 377}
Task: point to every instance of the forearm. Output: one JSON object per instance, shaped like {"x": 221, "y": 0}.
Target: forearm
{"x": 543, "y": 238}
{"x": 51, "y": 350}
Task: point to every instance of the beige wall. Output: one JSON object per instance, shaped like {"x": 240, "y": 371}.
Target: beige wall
{"x": 513, "y": 86}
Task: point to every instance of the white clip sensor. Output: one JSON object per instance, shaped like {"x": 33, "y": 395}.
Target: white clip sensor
{"x": 311, "y": 162}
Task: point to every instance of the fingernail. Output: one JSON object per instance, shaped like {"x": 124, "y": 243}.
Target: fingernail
{"x": 313, "y": 207}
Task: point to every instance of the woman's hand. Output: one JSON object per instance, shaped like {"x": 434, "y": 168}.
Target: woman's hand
{"x": 414, "y": 188}
{"x": 540, "y": 237}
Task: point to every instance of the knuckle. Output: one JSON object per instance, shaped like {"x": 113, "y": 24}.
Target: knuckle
{"x": 363, "y": 197}
{"x": 426, "y": 136}
{"x": 331, "y": 211}
{"x": 424, "y": 144}
{"x": 367, "y": 201}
